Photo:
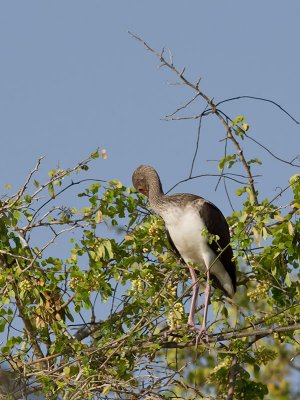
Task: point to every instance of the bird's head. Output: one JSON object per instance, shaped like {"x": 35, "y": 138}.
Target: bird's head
{"x": 144, "y": 177}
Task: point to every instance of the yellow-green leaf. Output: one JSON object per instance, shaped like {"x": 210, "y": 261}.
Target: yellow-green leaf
{"x": 278, "y": 217}
{"x": 128, "y": 238}
{"x": 95, "y": 154}
{"x": 291, "y": 228}
{"x": 294, "y": 179}
{"x": 256, "y": 236}
{"x": 98, "y": 217}
{"x": 238, "y": 119}
{"x": 106, "y": 389}
{"x": 51, "y": 190}
{"x": 264, "y": 233}
{"x": 288, "y": 281}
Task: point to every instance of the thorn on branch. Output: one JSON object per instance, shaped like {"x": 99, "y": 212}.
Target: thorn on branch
{"x": 163, "y": 64}
{"x": 198, "y": 83}
{"x": 182, "y": 72}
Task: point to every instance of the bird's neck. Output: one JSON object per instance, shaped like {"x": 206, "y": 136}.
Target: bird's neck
{"x": 156, "y": 195}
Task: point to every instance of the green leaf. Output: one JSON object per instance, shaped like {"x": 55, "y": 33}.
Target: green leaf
{"x": 16, "y": 215}
{"x": 3, "y": 323}
{"x": 241, "y": 190}
{"x": 254, "y": 161}
{"x": 291, "y": 228}
{"x": 51, "y": 190}
{"x": 264, "y": 233}
{"x": 98, "y": 217}
{"x": 239, "y": 132}
{"x": 225, "y": 160}
{"x": 27, "y": 198}
{"x": 287, "y": 280}
{"x": 238, "y": 119}
{"x": 52, "y": 172}
{"x": 294, "y": 179}
{"x": 67, "y": 370}
{"x": 95, "y": 154}
{"x": 106, "y": 388}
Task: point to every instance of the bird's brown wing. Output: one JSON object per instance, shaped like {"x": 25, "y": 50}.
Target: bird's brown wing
{"x": 216, "y": 224}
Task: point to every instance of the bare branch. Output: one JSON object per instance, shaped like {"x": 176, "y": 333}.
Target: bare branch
{"x": 20, "y": 193}
{"x": 210, "y": 102}
{"x": 221, "y": 337}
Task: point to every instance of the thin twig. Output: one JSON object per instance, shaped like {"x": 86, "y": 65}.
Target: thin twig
{"x": 197, "y": 144}
{"x": 182, "y": 107}
{"x": 232, "y": 376}
{"x": 272, "y": 154}
{"x": 262, "y": 99}
{"x": 227, "y": 176}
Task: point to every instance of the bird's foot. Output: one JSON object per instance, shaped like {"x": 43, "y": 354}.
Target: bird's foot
{"x": 202, "y": 334}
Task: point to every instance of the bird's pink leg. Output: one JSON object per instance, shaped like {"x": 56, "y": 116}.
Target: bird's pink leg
{"x": 191, "y": 319}
{"x": 206, "y": 303}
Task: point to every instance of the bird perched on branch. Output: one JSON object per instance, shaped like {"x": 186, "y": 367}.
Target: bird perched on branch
{"x": 198, "y": 232}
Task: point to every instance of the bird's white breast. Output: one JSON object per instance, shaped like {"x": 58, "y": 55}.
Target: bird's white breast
{"x": 185, "y": 227}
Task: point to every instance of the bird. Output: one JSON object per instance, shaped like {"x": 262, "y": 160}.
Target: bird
{"x": 190, "y": 222}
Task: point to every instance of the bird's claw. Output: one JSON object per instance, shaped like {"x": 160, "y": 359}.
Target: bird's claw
{"x": 201, "y": 333}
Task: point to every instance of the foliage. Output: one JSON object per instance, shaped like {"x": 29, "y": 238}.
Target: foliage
{"x": 106, "y": 316}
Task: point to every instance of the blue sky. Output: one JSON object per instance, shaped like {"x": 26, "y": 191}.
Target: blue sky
{"x": 73, "y": 79}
